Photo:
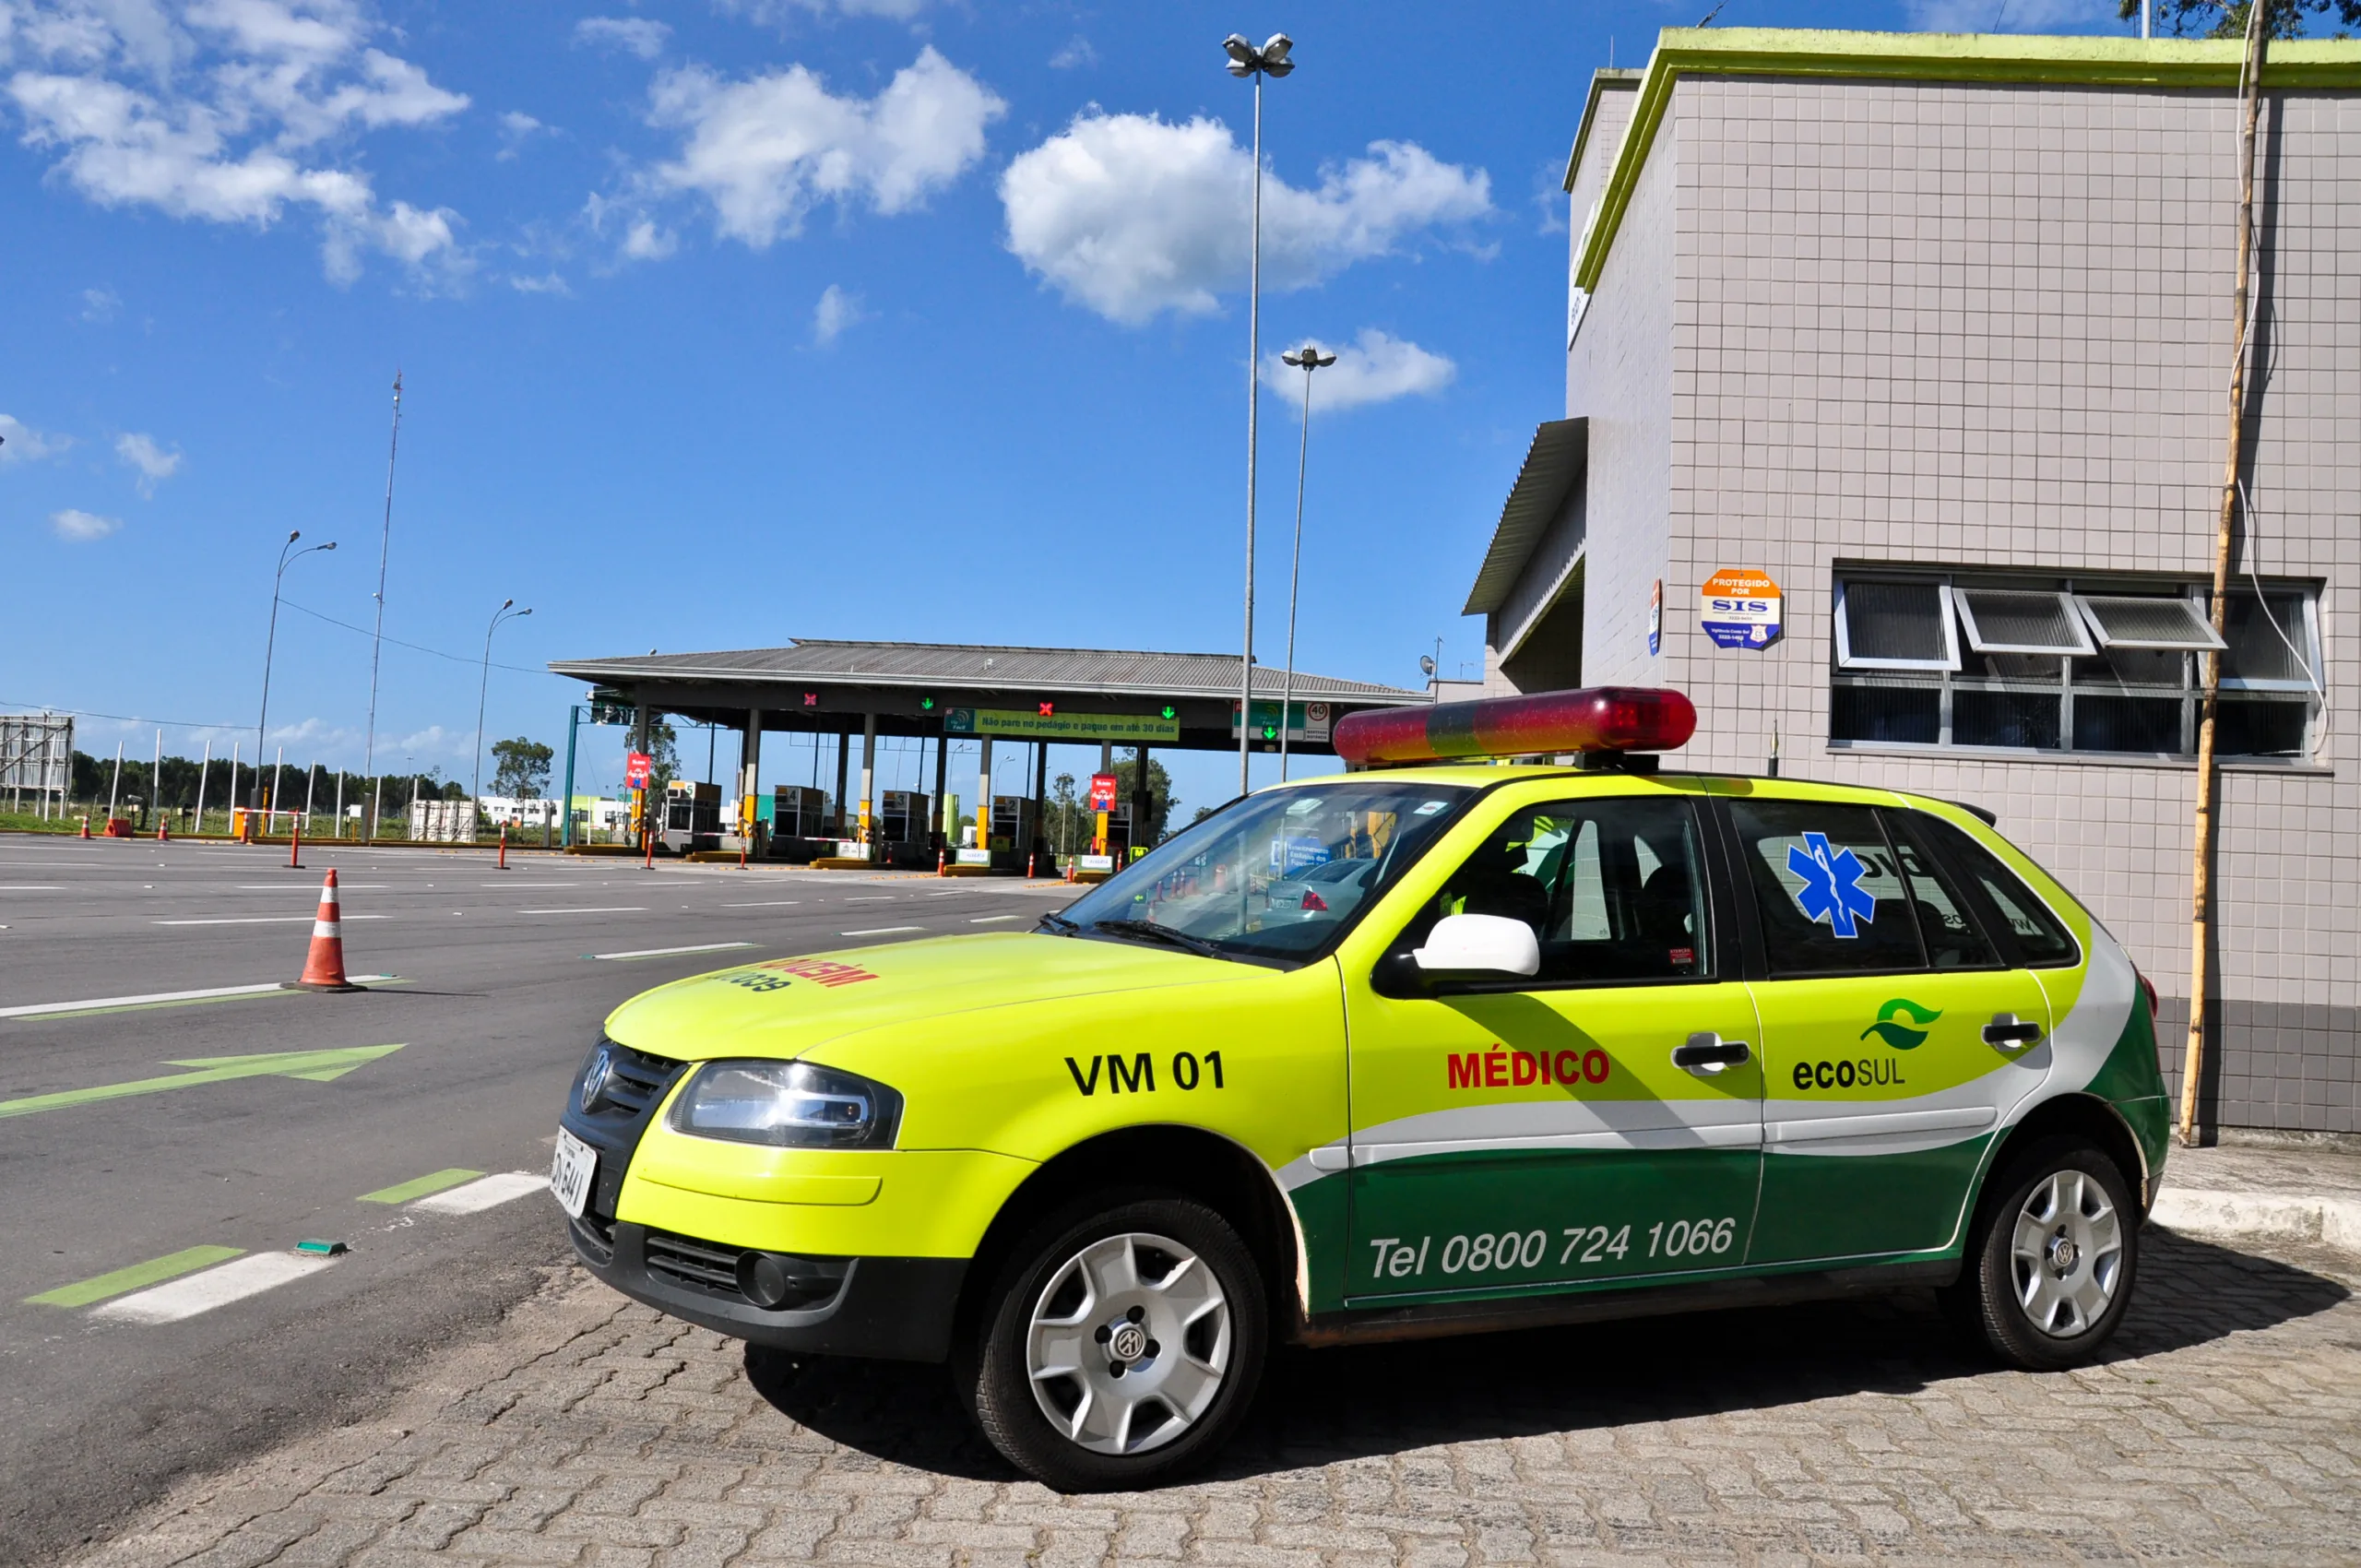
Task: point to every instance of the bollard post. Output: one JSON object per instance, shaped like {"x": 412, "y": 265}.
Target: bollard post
{"x": 648, "y": 838}
{"x": 504, "y": 847}
{"x": 295, "y": 848}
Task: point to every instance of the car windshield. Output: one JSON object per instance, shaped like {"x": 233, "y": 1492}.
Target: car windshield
{"x": 1274, "y": 876}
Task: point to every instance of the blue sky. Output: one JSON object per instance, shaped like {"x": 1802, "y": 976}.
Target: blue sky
{"x": 724, "y": 323}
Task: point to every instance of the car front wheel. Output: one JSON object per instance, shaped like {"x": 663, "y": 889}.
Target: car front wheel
{"x": 1121, "y": 1345}
{"x": 2050, "y": 1265}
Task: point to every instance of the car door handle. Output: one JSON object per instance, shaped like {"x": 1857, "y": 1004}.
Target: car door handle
{"x": 2010, "y": 1032}
{"x": 1707, "y": 1053}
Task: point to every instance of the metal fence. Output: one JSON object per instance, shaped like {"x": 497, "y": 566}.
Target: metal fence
{"x": 36, "y": 758}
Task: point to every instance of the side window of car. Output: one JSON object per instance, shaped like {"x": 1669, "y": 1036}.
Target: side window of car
{"x": 1614, "y": 889}
{"x": 2040, "y": 939}
{"x": 1952, "y": 938}
{"x": 1828, "y": 887}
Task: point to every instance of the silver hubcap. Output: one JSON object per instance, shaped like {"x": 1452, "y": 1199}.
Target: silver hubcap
{"x": 1128, "y": 1344}
{"x": 2068, "y": 1254}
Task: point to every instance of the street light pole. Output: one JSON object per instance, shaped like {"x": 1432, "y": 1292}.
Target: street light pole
{"x": 270, "y": 646}
{"x": 1308, "y": 359}
{"x": 483, "y": 685}
{"x": 1245, "y": 61}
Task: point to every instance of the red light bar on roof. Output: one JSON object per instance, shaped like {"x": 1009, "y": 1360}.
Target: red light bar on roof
{"x": 1597, "y": 718}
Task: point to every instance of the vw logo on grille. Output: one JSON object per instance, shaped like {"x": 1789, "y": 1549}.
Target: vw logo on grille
{"x": 595, "y": 1076}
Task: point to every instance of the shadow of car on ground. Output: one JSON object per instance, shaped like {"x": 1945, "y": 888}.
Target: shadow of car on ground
{"x": 1321, "y": 1407}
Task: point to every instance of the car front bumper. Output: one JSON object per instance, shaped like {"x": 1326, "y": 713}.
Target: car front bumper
{"x": 894, "y": 1309}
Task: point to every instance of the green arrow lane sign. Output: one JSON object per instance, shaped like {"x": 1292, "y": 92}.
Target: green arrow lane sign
{"x": 315, "y": 1066}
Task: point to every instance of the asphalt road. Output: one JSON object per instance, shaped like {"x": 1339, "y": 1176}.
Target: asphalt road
{"x": 129, "y": 1358}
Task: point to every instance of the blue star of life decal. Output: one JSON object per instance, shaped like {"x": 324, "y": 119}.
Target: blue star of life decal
{"x": 1832, "y": 888}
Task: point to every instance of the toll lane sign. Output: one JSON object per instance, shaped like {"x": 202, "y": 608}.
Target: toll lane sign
{"x": 636, "y": 768}
{"x": 1102, "y": 792}
{"x": 1740, "y": 607}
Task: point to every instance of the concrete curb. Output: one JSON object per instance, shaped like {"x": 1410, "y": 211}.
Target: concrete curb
{"x": 2287, "y": 1216}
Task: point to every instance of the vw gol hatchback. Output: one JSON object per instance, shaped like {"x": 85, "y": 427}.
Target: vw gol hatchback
{"x": 1550, "y": 1044}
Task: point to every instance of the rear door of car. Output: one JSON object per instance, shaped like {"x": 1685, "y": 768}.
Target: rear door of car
{"x": 1897, "y": 1034}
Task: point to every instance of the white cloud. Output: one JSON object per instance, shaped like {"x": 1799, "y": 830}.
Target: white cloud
{"x": 2014, "y": 15}
{"x": 545, "y": 283}
{"x": 1132, "y": 216}
{"x": 1075, "y": 53}
{"x": 774, "y": 12}
{"x": 155, "y": 464}
{"x": 77, "y": 527}
{"x": 643, "y": 36}
{"x": 1373, "y": 368}
{"x": 765, "y": 149}
{"x": 517, "y": 128}
{"x": 101, "y": 305}
{"x": 645, "y": 241}
{"x": 221, "y": 110}
{"x": 19, "y": 443}
{"x": 836, "y": 314}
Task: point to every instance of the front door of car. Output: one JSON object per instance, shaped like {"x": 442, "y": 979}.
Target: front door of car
{"x": 1520, "y": 1132}
{"x": 1895, "y": 1037}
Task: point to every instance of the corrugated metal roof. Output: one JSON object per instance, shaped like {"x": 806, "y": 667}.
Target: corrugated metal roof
{"x": 1069, "y": 671}
{"x": 1551, "y": 465}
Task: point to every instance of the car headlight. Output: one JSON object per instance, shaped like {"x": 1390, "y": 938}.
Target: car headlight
{"x": 787, "y": 1105}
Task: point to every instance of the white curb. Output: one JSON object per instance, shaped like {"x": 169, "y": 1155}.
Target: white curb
{"x": 2333, "y": 1222}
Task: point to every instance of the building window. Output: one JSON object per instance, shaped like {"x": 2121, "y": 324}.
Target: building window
{"x": 2073, "y": 666}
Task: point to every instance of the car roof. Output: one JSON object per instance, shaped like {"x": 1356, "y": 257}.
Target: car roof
{"x": 1488, "y": 775}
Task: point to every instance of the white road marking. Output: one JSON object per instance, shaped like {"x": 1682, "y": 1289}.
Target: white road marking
{"x": 232, "y": 1281}
{"x": 667, "y": 952}
{"x": 868, "y": 899}
{"x": 765, "y": 904}
{"x": 987, "y": 919}
{"x": 881, "y": 931}
{"x": 479, "y": 1196}
{"x": 612, "y": 909}
{"x": 263, "y": 920}
{"x": 504, "y": 886}
{"x": 38, "y": 1009}
{"x": 283, "y": 886}
{"x": 26, "y": 887}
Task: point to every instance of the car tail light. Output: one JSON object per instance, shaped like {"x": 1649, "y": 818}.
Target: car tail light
{"x": 1313, "y": 901}
{"x": 1597, "y": 718}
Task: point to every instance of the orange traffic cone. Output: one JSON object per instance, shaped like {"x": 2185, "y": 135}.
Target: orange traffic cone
{"x": 86, "y": 825}
{"x": 323, "y": 971}
{"x": 163, "y": 831}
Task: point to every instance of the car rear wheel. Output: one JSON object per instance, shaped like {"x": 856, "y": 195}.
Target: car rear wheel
{"x": 2050, "y": 1265}
{"x": 1121, "y": 1344}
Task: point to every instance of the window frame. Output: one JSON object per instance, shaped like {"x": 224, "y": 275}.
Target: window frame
{"x": 1847, "y": 660}
{"x": 2190, "y": 600}
{"x": 1963, "y": 604}
{"x": 2065, "y": 685}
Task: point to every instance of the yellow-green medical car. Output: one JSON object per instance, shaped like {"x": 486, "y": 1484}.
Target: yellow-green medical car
{"x": 1409, "y": 1051}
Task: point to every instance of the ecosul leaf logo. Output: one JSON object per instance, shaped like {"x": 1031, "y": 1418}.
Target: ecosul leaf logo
{"x": 1901, "y": 1036}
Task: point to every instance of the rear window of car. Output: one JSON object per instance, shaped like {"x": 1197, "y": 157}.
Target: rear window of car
{"x": 2041, "y": 939}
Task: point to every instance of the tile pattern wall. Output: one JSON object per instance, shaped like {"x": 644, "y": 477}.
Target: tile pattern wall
{"x": 1954, "y": 323}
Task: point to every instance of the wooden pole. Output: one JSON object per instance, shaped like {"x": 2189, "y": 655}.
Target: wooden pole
{"x": 2202, "y": 856}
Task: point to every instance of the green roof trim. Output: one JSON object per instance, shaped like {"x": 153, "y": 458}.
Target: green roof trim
{"x": 1934, "y": 57}
{"x": 1600, "y": 80}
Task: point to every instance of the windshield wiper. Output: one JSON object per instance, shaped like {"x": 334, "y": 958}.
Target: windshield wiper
{"x": 1058, "y": 923}
{"x": 1156, "y": 932}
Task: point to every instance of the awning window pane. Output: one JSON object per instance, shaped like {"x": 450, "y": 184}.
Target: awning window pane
{"x": 1894, "y": 626}
{"x": 2127, "y": 620}
{"x": 2004, "y": 719}
{"x": 2259, "y": 632}
{"x": 1890, "y": 715}
{"x": 2127, "y": 724}
{"x": 2012, "y": 621}
{"x": 2260, "y": 727}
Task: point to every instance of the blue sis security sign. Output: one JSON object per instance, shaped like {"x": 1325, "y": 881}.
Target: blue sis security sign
{"x": 1740, "y": 607}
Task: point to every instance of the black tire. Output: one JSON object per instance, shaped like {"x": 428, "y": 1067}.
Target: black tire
{"x": 1193, "y": 1412}
{"x": 2013, "y": 1298}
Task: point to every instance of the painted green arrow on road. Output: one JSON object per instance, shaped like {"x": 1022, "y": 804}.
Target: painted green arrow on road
{"x": 315, "y": 1066}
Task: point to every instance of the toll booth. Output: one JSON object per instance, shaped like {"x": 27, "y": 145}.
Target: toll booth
{"x": 692, "y": 817}
{"x": 904, "y": 818}
{"x": 800, "y": 812}
{"x": 1011, "y": 823}
{"x": 1119, "y": 831}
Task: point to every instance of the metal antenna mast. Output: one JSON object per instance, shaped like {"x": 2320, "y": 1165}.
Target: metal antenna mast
{"x": 378, "y": 641}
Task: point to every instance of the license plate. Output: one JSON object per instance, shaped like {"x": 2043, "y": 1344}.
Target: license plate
{"x": 571, "y": 1170}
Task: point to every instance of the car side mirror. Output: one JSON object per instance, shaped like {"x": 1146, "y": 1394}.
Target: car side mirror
{"x": 1479, "y": 944}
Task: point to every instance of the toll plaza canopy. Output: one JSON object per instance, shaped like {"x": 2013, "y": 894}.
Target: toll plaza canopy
{"x": 953, "y": 693}
{"x": 1186, "y": 700}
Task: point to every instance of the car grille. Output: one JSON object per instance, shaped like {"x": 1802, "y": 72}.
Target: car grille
{"x": 700, "y": 1265}
{"x": 638, "y": 1082}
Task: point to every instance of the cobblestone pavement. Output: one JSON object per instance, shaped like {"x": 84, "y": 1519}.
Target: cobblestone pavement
{"x": 597, "y": 1433}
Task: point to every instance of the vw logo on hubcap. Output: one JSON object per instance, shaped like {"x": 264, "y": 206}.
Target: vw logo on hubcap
{"x": 2062, "y": 1254}
{"x": 1128, "y": 1343}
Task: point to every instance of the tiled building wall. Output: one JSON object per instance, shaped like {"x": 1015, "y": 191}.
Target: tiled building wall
{"x": 1954, "y": 325}
{"x": 1620, "y": 376}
